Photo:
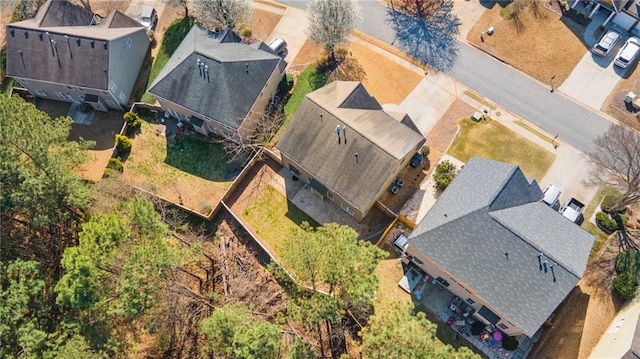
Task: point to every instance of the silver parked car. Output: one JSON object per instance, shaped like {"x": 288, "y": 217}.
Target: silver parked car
{"x": 606, "y": 43}
{"x": 628, "y": 53}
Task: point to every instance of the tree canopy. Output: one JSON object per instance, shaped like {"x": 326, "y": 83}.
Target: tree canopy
{"x": 331, "y": 22}
{"x": 399, "y": 333}
{"x": 223, "y": 13}
{"x": 616, "y": 161}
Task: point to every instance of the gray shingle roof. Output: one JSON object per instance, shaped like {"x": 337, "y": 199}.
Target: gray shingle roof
{"x": 380, "y": 141}
{"x": 237, "y": 74}
{"x": 31, "y": 55}
{"x": 491, "y": 209}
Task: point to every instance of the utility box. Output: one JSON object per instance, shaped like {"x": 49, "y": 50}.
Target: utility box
{"x": 477, "y": 116}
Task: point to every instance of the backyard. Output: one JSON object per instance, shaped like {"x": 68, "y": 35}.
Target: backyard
{"x": 489, "y": 139}
{"x": 186, "y": 171}
{"x": 274, "y": 218}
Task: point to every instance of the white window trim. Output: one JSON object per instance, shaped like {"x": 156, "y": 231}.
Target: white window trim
{"x": 41, "y": 93}
{"x": 330, "y": 196}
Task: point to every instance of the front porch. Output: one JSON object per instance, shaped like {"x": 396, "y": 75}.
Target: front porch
{"x": 438, "y": 300}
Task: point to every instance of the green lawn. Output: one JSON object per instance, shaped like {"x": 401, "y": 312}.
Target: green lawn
{"x": 188, "y": 171}
{"x": 594, "y": 206}
{"x": 309, "y": 80}
{"x": 172, "y": 38}
{"x": 273, "y": 217}
{"x": 491, "y": 140}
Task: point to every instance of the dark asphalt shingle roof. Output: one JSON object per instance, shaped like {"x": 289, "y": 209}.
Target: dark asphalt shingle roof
{"x": 237, "y": 74}
{"x": 31, "y": 54}
{"x": 492, "y": 209}
{"x": 380, "y": 141}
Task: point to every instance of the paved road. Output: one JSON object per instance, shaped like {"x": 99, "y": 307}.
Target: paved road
{"x": 518, "y": 93}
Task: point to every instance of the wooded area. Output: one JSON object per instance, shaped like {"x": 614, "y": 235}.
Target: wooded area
{"x": 97, "y": 270}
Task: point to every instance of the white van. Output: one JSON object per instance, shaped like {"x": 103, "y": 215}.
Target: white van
{"x": 552, "y": 196}
{"x": 279, "y": 46}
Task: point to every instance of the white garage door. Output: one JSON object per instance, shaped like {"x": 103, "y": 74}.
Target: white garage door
{"x": 623, "y": 20}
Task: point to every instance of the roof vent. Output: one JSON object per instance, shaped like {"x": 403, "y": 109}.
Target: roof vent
{"x": 93, "y": 43}
{"x": 105, "y": 45}
{"x": 78, "y": 41}
{"x": 246, "y": 66}
{"x": 66, "y": 37}
{"x": 40, "y": 36}
{"x": 12, "y": 31}
{"x": 338, "y": 133}
{"x": 26, "y": 34}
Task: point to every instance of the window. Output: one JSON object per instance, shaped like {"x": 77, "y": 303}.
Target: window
{"x": 330, "y": 196}
{"x": 470, "y": 301}
{"x": 64, "y": 96}
{"x": 68, "y": 87}
{"x": 442, "y": 282}
{"x": 104, "y": 92}
{"x": 122, "y": 97}
{"x": 41, "y": 93}
{"x": 347, "y": 209}
{"x": 129, "y": 41}
{"x": 502, "y": 326}
{"x": 112, "y": 87}
{"x": 211, "y": 128}
{"x": 308, "y": 180}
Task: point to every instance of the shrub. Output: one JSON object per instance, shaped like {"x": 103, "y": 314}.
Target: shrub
{"x": 123, "y": 144}
{"x": 609, "y": 200}
{"x": 425, "y": 150}
{"x": 443, "y": 175}
{"x": 134, "y": 122}
{"x": 115, "y": 164}
{"x": 246, "y": 32}
{"x": 627, "y": 261}
{"x": 605, "y": 221}
{"x": 624, "y": 285}
{"x": 510, "y": 343}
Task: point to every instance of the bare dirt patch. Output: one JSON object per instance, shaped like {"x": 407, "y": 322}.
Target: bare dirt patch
{"x": 262, "y": 23}
{"x": 537, "y": 48}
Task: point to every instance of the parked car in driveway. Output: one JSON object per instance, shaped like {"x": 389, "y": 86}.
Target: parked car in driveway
{"x": 628, "y": 53}
{"x": 572, "y": 210}
{"x": 149, "y": 17}
{"x": 606, "y": 43}
{"x": 552, "y": 196}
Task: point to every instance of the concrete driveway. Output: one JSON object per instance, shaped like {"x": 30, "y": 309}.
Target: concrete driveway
{"x": 426, "y": 103}
{"x": 135, "y": 8}
{"x": 592, "y": 80}
{"x": 292, "y": 27}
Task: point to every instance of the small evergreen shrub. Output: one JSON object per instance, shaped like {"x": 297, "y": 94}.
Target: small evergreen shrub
{"x": 115, "y": 164}
{"x": 624, "y": 285}
{"x": 605, "y": 221}
{"x": 123, "y": 144}
{"x": 425, "y": 150}
{"x": 134, "y": 122}
{"x": 627, "y": 261}
{"x": 444, "y": 174}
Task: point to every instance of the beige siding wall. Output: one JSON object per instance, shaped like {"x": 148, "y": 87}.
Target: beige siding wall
{"x": 262, "y": 101}
{"x": 67, "y": 93}
{"x": 458, "y": 288}
{"x": 337, "y": 199}
{"x": 126, "y": 56}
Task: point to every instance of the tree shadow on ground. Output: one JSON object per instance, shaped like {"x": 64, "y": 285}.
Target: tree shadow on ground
{"x": 431, "y": 41}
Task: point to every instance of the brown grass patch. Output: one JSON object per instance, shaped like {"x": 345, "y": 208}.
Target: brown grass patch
{"x": 538, "y": 48}
{"x": 615, "y": 106}
{"x": 262, "y": 23}
{"x": 387, "y": 80}
{"x": 308, "y": 54}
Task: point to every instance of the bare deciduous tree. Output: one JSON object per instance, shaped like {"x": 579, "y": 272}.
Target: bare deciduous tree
{"x": 182, "y": 3}
{"x": 616, "y": 163}
{"x": 257, "y": 137}
{"x": 331, "y": 22}
{"x": 225, "y": 13}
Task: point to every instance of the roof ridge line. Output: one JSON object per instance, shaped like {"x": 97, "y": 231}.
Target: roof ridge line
{"x": 539, "y": 249}
{"x": 502, "y": 185}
